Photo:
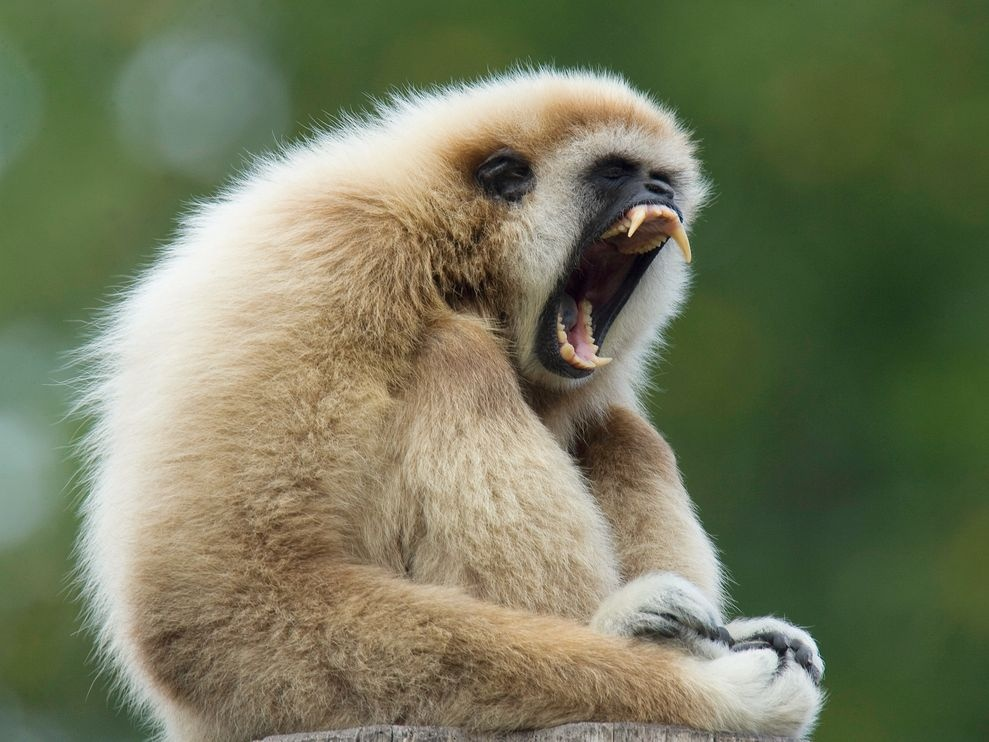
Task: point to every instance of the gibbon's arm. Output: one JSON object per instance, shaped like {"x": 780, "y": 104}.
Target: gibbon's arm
{"x": 331, "y": 644}
{"x": 633, "y": 474}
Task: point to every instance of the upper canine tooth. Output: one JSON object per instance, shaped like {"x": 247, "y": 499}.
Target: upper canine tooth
{"x": 679, "y": 234}
{"x": 636, "y": 216}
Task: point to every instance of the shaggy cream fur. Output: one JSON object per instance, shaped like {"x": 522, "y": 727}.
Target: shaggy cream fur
{"x": 332, "y": 484}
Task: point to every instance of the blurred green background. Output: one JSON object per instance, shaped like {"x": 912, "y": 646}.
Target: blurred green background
{"x": 826, "y": 389}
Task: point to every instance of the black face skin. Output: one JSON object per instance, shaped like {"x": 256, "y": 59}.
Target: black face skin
{"x": 616, "y": 185}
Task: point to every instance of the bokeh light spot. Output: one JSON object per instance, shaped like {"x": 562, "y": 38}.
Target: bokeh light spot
{"x": 193, "y": 106}
{"x": 26, "y": 463}
{"x": 20, "y": 105}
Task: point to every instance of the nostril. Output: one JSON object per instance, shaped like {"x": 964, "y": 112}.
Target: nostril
{"x": 659, "y": 188}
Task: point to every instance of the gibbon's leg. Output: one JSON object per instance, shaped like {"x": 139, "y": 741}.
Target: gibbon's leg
{"x": 363, "y": 647}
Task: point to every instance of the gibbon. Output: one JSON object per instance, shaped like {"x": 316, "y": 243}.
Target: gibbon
{"x": 367, "y": 447}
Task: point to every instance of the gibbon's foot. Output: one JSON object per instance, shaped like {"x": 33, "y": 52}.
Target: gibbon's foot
{"x": 791, "y": 644}
{"x": 664, "y": 607}
{"x": 756, "y": 690}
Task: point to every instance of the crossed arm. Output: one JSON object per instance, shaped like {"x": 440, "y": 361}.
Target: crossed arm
{"x": 633, "y": 474}
{"x": 338, "y": 642}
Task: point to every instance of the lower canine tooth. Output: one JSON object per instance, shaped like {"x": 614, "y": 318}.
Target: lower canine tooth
{"x": 602, "y": 361}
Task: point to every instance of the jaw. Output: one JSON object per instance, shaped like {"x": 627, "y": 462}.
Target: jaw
{"x": 601, "y": 278}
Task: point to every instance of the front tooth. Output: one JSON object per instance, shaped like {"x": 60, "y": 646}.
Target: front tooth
{"x": 643, "y": 248}
{"x": 679, "y": 234}
{"x": 636, "y": 216}
{"x": 658, "y": 242}
{"x": 587, "y": 312}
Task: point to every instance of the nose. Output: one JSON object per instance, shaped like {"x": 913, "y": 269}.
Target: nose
{"x": 660, "y": 188}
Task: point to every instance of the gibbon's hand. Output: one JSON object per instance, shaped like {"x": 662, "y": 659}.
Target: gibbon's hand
{"x": 664, "y": 606}
{"x": 791, "y": 644}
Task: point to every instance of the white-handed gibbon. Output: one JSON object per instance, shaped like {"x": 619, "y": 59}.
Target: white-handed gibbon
{"x": 367, "y": 447}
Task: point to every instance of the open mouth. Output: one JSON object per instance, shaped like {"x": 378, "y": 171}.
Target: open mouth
{"x": 606, "y": 273}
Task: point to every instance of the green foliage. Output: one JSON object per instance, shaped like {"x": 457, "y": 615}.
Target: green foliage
{"x": 825, "y": 390}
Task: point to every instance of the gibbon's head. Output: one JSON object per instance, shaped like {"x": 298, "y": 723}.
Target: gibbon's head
{"x": 555, "y": 204}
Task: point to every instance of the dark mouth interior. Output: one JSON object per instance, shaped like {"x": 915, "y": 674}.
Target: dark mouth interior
{"x": 599, "y": 278}
{"x": 606, "y": 274}
{"x": 605, "y": 269}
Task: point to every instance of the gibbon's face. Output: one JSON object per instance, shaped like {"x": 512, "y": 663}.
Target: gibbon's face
{"x": 586, "y": 190}
{"x": 629, "y": 213}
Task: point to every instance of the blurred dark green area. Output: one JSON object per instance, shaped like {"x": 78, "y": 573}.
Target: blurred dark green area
{"x": 826, "y": 389}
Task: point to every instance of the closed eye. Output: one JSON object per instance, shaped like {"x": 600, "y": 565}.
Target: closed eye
{"x": 614, "y": 168}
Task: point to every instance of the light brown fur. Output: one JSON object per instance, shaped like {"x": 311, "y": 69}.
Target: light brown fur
{"x": 328, "y": 491}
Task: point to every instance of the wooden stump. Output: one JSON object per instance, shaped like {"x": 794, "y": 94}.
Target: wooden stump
{"x": 592, "y": 732}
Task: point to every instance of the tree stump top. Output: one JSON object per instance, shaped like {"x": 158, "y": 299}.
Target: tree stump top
{"x": 591, "y": 732}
